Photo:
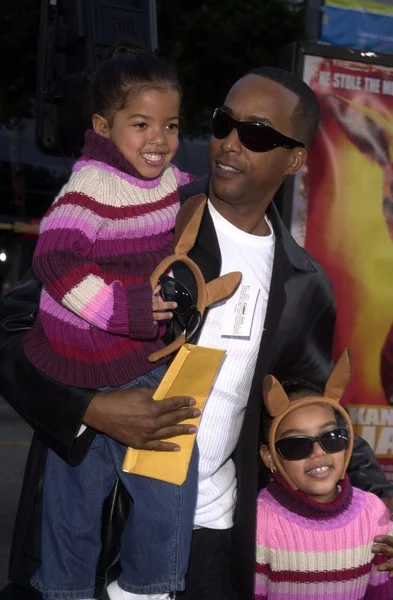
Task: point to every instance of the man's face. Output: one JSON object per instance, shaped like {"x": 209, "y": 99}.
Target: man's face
{"x": 241, "y": 177}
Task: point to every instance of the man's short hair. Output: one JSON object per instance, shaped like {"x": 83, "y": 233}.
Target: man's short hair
{"x": 305, "y": 118}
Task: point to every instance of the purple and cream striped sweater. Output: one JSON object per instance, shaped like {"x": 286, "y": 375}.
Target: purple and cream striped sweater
{"x": 99, "y": 242}
{"x": 312, "y": 551}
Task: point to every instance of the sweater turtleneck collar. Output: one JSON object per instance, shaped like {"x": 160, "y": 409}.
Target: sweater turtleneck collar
{"x": 104, "y": 150}
{"x": 298, "y": 502}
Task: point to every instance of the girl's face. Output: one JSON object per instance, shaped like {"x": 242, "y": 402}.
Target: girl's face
{"x": 318, "y": 474}
{"x": 146, "y": 131}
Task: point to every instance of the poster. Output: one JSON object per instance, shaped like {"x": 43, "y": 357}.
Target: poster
{"x": 361, "y": 24}
{"x": 342, "y": 212}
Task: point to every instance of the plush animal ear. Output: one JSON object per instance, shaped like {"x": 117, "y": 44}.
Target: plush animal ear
{"x": 276, "y": 400}
{"x": 221, "y": 288}
{"x": 340, "y": 377}
{"x": 188, "y": 221}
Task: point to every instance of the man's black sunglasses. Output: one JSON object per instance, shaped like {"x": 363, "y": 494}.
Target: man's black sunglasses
{"x": 186, "y": 312}
{"x": 301, "y": 446}
{"x": 257, "y": 137}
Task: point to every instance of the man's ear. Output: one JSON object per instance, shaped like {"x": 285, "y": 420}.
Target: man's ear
{"x": 298, "y": 158}
{"x": 100, "y": 125}
{"x": 267, "y": 458}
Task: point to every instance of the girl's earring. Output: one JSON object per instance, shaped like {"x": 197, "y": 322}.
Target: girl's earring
{"x": 273, "y": 469}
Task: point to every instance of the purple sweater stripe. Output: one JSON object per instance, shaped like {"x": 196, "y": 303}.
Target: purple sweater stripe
{"x": 90, "y": 339}
{"x": 122, "y": 247}
{"x": 69, "y": 240}
{"x": 358, "y": 595}
{"x": 106, "y": 368}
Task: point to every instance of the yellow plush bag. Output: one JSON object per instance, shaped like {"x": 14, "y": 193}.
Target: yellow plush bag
{"x": 191, "y": 373}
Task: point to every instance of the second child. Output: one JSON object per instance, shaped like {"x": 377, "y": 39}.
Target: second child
{"x": 314, "y": 530}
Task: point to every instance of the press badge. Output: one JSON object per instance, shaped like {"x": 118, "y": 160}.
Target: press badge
{"x": 239, "y": 312}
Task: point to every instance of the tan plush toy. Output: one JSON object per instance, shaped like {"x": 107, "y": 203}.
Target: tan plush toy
{"x": 278, "y": 406}
{"x": 187, "y": 226}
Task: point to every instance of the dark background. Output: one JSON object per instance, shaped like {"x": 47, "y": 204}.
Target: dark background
{"x": 211, "y": 44}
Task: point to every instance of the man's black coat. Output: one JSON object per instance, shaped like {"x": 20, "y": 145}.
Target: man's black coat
{"x": 296, "y": 341}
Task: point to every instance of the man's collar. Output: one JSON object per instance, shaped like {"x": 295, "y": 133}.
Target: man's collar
{"x": 297, "y": 256}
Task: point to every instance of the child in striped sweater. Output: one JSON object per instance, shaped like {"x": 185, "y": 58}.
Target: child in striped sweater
{"x": 101, "y": 239}
{"x": 314, "y": 531}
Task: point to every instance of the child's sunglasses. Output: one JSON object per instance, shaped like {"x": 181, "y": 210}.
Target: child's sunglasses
{"x": 186, "y": 311}
{"x": 302, "y": 446}
{"x": 257, "y": 137}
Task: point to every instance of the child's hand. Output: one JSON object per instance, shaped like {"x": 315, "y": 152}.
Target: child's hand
{"x": 383, "y": 544}
{"x": 161, "y": 309}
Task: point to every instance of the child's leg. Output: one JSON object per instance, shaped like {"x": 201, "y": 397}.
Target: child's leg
{"x": 157, "y": 538}
{"x": 71, "y": 523}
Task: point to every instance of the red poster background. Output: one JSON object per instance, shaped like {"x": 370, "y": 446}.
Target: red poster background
{"x": 343, "y": 214}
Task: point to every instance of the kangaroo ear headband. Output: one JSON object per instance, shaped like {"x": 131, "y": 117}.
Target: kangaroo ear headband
{"x": 279, "y": 406}
{"x": 186, "y": 230}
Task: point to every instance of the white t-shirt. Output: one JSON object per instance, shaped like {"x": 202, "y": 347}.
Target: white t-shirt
{"x": 223, "y": 415}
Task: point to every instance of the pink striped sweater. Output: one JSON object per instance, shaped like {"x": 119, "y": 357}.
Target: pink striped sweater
{"x": 312, "y": 551}
{"x": 99, "y": 242}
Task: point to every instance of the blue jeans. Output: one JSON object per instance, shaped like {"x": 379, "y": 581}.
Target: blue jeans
{"x": 156, "y": 542}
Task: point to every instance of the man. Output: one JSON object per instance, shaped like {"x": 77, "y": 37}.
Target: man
{"x": 259, "y": 138}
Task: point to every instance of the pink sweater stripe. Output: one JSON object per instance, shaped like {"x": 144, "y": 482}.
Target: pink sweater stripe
{"x": 71, "y": 223}
{"x": 340, "y": 538}
{"x": 100, "y": 308}
{"x": 182, "y": 177}
{"x": 53, "y": 309}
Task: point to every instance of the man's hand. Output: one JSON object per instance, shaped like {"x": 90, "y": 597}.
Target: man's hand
{"x": 383, "y": 544}
{"x": 134, "y": 419}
